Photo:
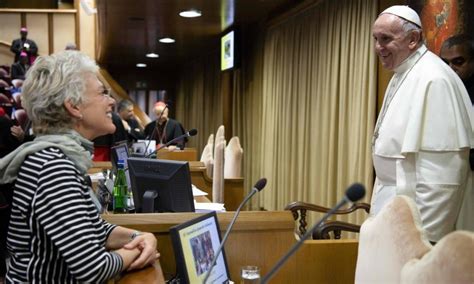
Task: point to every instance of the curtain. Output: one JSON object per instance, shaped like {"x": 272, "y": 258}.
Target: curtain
{"x": 303, "y": 104}
{"x": 305, "y": 108}
{"x": 198, "y": 99}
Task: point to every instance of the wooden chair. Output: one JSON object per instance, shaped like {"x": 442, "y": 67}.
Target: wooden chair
{"x": 299, "y": 210}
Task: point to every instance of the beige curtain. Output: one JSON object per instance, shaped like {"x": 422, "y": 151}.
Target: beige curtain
{"x": 198, "y": 99}
{"x": 306, "y": 108}
{"x": 303, "y": 104}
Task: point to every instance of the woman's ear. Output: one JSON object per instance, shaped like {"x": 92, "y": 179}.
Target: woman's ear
{"x": 73, "y": 110}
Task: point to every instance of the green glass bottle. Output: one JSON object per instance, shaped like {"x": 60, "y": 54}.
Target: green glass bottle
{"x": 120, "y": 189}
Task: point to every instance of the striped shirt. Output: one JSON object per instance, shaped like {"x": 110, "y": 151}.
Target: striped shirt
{"x": 55, "y": 233}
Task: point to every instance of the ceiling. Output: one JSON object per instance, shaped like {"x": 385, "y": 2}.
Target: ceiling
{"x": 129, "y": 29}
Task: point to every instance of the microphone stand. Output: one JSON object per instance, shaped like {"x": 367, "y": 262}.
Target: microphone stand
{"x": 354, "y": 193}
{"x": 258, "y": 186}
{"x": 187, "y": 134}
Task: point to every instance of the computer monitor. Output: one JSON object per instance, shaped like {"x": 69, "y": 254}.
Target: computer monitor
{"x": 195, "y": 243}
{"x": 160, "y": 185}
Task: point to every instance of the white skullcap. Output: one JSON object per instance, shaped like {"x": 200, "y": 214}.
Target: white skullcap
{"x": 404, "y": 12}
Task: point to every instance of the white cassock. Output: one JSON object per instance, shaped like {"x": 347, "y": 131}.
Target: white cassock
{"x": 421, "y": 143}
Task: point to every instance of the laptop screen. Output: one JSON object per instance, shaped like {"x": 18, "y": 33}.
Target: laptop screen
{"x": 195, "y": 243}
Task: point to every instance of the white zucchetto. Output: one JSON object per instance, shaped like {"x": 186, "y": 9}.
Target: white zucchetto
{"x": 404, "y": 12}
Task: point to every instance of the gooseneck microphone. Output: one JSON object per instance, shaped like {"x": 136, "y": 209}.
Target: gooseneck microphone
{"x": 190, "y": 133}
{"x": 353, "y": 193}
{"x": 259, "y": 185}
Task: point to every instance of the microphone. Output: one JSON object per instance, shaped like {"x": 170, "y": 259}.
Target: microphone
{"x": 190, "y": 133}
{"x": 353, "y": 193}
{"x": 154, "y": 129}
{"x": 259, "y": 185}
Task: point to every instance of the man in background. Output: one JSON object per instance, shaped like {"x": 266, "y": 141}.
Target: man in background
{"x": 19, "y": 68}
{"x": 164, "y": 129}
{"x": 130, "y": 124}
{"x": 424, "y": 131}
{"x": 458, "y": 52}
{"x": 26, "y": 45}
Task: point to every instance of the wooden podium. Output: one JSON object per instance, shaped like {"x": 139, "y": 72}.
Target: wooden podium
{"x": 258, "y": 238}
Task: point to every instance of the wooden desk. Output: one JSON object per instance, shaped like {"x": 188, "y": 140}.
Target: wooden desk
{"x": 97, "y": 167}
{"x": 233, "y": 187}
{"x": 258, "y": 238}
{"x": 187, "y": 154}
{"x": 150, "y": 274}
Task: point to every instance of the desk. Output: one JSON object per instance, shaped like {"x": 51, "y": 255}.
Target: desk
{"x": 187, "y": 154}
{"x": 258, "y": 238}
{"x": 150, "y": 274}
{"x": 233, "y": 187}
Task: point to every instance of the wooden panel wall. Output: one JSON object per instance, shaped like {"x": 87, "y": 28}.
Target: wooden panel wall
{"x": 63, "y": 27}
{"x": 37, "y": 25}
{"x": 31, "y": 4}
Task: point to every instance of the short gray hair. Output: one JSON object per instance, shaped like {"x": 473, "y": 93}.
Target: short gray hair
{"x": 408, "y": 26}
{"x": 50, "y": 82}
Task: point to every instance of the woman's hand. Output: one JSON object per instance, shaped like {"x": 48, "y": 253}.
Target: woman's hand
{"x": 146, "y": 243}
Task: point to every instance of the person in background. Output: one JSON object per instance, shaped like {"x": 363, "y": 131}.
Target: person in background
{"x": 19, "y": 68}
{"x": 458, "y": 52}
{"x": 164, "y": 129}
{"x": 56, "y": 234}
{"x": 424, "y": 131}
{"x": 130, "y": 124}
{"x": 8, "y": 141}
{"x": 26, "y": 45}
{"x": 71, "y": 46}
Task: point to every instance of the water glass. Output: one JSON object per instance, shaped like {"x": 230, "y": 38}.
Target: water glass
{"x": 250, "y": 274}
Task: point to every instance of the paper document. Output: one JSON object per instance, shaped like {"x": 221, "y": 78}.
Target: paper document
{"x": 197, "y": 191}
{"x": 203, "y": 207}
{"x": 96, "y": 177}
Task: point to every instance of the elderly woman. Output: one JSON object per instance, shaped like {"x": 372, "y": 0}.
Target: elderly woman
{"x": 55, "y": 233}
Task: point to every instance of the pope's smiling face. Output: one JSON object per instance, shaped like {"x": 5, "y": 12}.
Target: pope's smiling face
{"x": 392, "y": 44}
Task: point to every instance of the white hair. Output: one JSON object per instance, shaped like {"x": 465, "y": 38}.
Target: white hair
{"x": 51, "y": 81}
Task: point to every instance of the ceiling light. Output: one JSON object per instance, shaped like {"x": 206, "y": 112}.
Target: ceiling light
{"x": 152, "y": 55}
{"x": 190, "y": 13}
{"x": 166, "y": 40}
{"x": 141, "y": 65}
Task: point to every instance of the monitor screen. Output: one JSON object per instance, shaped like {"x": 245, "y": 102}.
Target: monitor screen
{"x": 228, "y": 51}
{"x": 195, "y": 243}
{"x": 160, "y": 185}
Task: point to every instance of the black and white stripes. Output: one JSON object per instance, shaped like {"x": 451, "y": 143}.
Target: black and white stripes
{"x": 55, "y": 232}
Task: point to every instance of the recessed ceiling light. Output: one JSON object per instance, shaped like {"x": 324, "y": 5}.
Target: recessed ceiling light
{"x": 166, "y": 40}
{"x": 152, "y": 55}
{"x": 190, "y": 13}
{"x": 141, "y": 65}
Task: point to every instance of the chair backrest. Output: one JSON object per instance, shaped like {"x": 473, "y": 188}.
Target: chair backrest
{"x": 218, "y": 171}
{"x": 300, "y": 209}
{"x": 233, "y": 159}
{"x": 450, "y": 261}
{"x": 207, "y": 156}
{"x": 389, "y": 240}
